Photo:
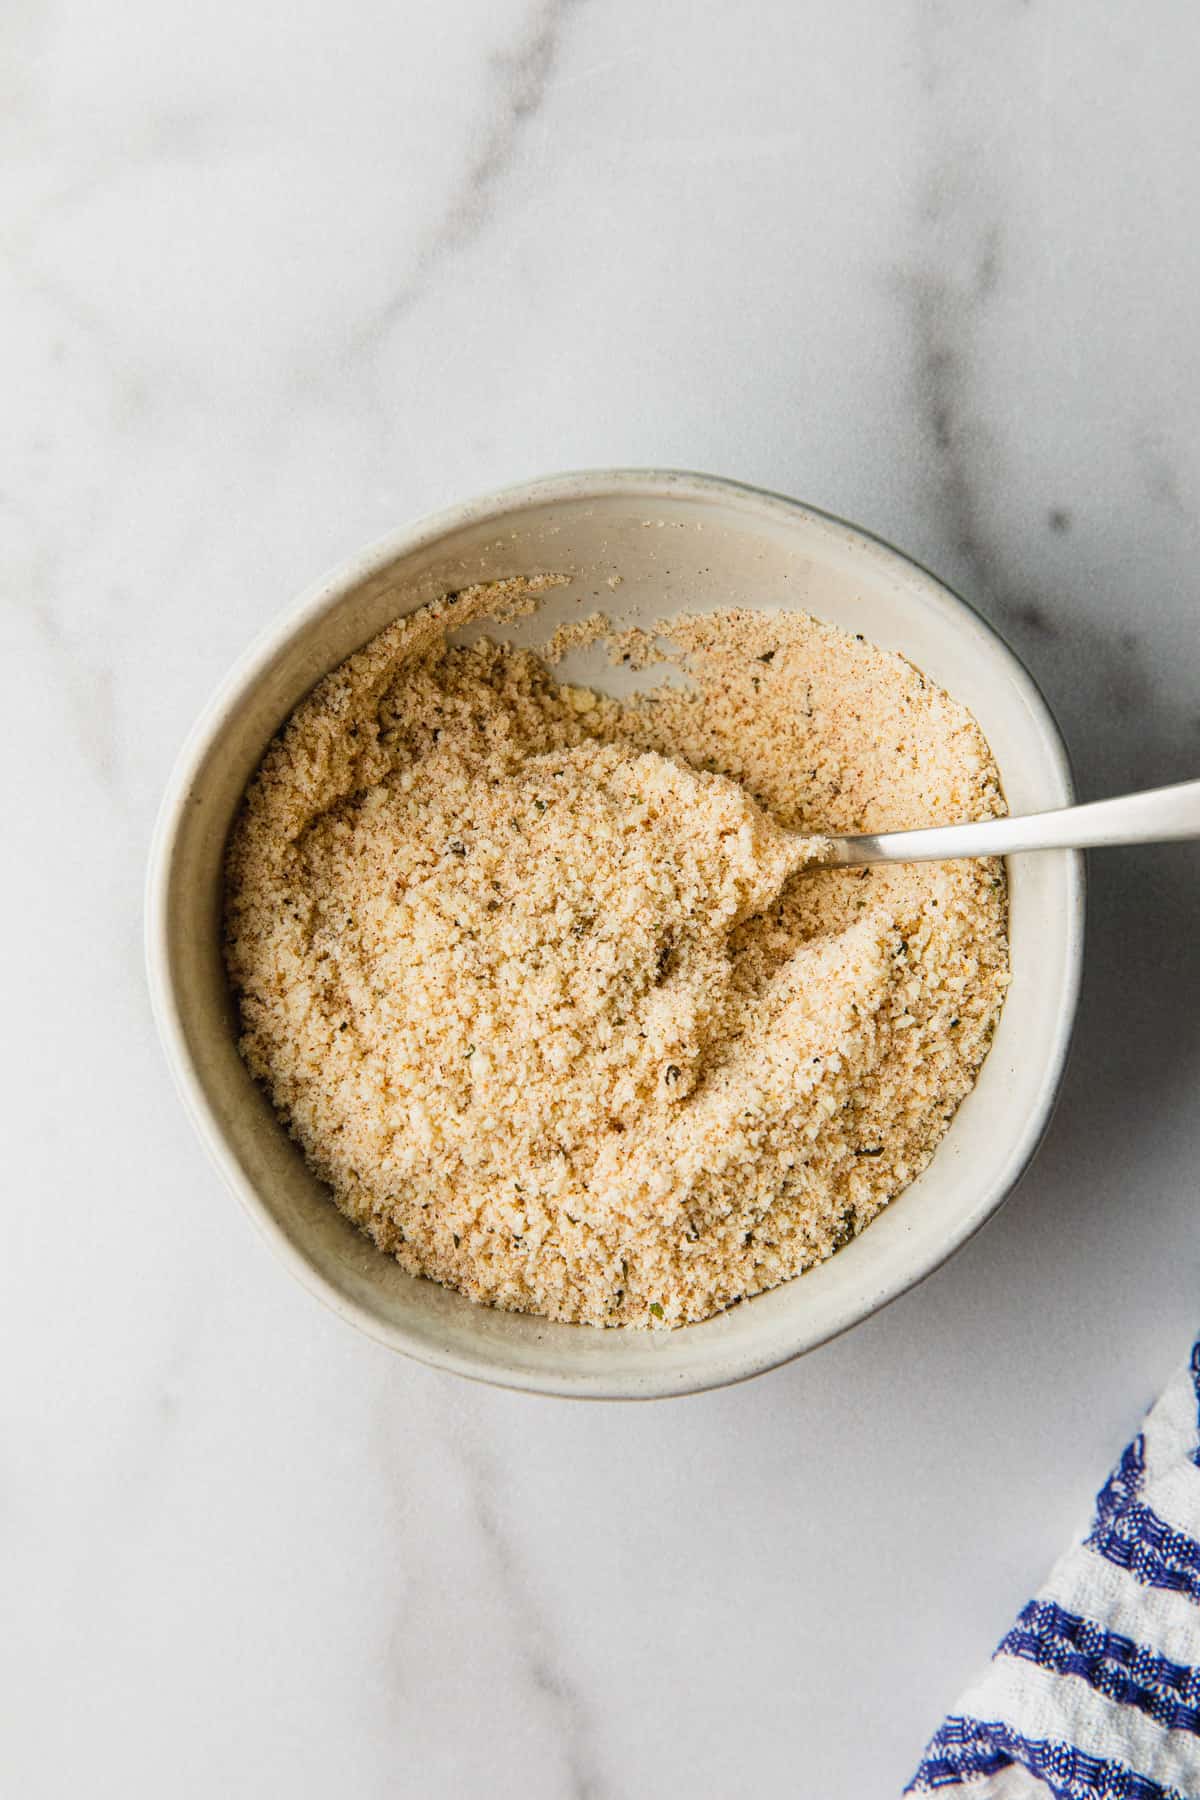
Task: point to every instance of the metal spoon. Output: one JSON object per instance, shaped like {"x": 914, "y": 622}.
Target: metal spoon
{"x": 1158, "y": 816}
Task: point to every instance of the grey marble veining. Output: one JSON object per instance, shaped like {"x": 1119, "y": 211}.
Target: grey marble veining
{"x": 520, "y": 76}
{"x": 274, "y": 282}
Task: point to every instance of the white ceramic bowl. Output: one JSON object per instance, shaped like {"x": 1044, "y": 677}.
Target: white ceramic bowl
{"x": 675, "y": 540}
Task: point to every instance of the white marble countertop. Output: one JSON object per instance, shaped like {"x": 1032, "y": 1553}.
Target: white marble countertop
{"x": 277, "y": 278}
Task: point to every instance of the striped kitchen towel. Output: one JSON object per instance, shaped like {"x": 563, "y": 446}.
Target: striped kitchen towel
{"x": 1095, "y": 1692}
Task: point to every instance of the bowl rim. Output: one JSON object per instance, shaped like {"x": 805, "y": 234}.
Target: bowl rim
{"x": 325, "y": 593}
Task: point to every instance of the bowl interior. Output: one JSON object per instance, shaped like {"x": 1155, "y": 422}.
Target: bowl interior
{"x": 667, "y": 542}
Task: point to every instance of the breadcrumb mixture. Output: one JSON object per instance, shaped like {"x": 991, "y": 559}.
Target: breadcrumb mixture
{"x": 552, "y": 1003}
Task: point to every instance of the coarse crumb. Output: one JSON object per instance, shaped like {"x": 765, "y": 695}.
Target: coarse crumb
{"x": 576, "y": 634}
{"x": 636, "y": 647}
{"x": 551, "y": 1001}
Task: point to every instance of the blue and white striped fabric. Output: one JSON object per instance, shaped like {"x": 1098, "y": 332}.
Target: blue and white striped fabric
{"x": 1095, "y": 1692}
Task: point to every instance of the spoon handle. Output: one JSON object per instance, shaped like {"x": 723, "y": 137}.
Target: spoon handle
{"x": 1155, "y": 817}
